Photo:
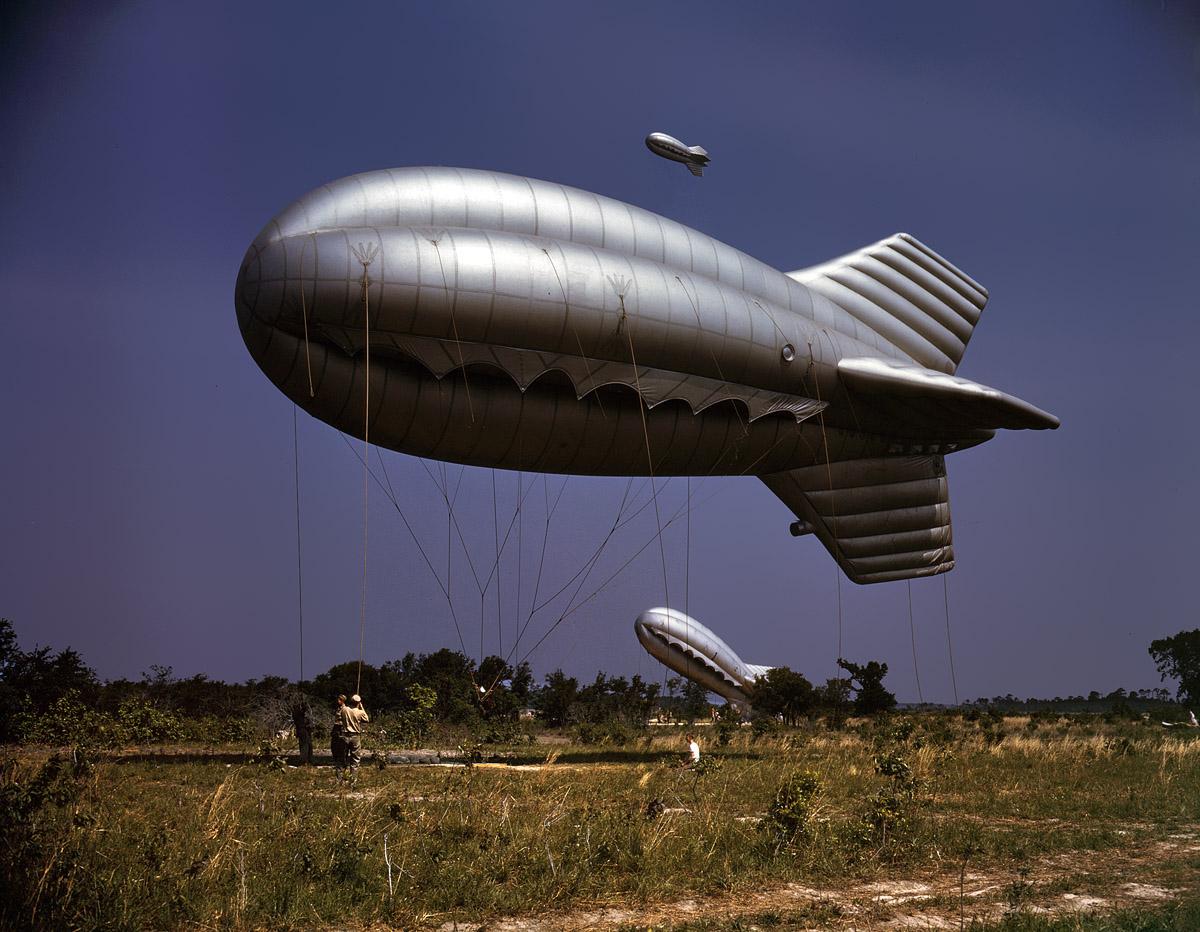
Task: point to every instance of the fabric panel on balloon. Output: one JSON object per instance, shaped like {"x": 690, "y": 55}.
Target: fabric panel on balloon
{"x": 902, "y": 289}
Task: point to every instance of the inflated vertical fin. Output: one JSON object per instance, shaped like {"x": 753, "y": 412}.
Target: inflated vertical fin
{"x": 695, "y": 169}
{"x": 881, "y": 519}
{"x": 907, "y": 293}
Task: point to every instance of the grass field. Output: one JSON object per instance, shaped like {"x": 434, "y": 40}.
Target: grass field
{"x": 927, "y": 820}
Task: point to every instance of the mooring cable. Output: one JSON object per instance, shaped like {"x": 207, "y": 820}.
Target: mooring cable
{"x": 912, "y": 630}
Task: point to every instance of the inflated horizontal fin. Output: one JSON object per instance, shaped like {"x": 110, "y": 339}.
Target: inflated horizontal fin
{"x": 953, "y": 403}
{"x": 881, "y": 519}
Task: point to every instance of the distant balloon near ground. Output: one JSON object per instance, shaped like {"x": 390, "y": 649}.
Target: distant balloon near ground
{"x": 684, "y": 645}
{"x": 694, "y": 157}
{"x": 527, "y": 325}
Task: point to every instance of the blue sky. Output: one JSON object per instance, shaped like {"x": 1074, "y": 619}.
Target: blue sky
{"x": 1049, "y": 150}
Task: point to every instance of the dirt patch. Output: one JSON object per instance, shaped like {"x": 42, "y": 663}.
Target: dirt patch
{"x": 930, "y": 901}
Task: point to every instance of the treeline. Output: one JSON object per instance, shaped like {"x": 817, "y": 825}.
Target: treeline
{"x": 55, "y": 697}
{"x": 1131, "y": 703}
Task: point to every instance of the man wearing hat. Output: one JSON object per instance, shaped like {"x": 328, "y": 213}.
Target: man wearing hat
{"x": 350, "y": 721}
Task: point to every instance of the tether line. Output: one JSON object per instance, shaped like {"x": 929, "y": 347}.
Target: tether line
{"x": 949, "y": 644}
{"x": 387, "y": 490}
{"x": 365, "y": 255}
{"x": 304, "y": 314}
{"x": 912, "y": 630}
{"x": 641, "y": 404}
{"x": 587, "y": 566}
{"x": 299, "y": 561}
{"x": 453, "y": 301}
{"x": 574, "y": 606}
{"x": 837, "y": 575}
{"x": 499, "y": 573}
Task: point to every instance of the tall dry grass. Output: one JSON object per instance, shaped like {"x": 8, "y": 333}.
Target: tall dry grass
{"x": 146, "y": 842}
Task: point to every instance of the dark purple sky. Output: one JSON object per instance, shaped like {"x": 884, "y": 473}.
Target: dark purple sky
{"x": 1049, "y": 150}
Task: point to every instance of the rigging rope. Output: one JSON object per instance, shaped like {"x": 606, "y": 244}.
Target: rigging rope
{"x": 499, "y": 575}
{"x": 304, "y": 314}
{"x": 687, "y": 572}
{"x": 949, "y": 645}
{"x": 832, "y": 506}
{"x": 299, "y": 561}
{"x": 453, "y": 526}
{"x": 912, "y": 630}
{"x": 641, "y": 403}
{"x": 587, "y": 365}
{"x": 589, "y": 563}
{"x": 687, "y": 556}
{"x": 387, "y": 490}
{"x": 574, "y": 606}
{"x": 520, "y": 548}
{"x": 365, "y": 255}
{"x": 453, "y": 299}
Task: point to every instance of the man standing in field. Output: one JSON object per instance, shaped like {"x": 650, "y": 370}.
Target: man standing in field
{"x": 337, "y": 738}
{"x": 352, "y": 720}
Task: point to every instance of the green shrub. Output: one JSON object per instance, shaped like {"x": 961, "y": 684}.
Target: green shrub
{"x": 791, "y": 810}
{"x": 139, "y": 722}
{"x": 763, "y": 726}
{"x": 68, "y": 721}
{"x": 30, "y": 812}
{"x": 604, "y": 733}
{"x": 414, "y": 724}
{"x": 889, "y": 812}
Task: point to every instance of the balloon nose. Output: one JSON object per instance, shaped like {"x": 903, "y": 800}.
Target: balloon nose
{"x": 267, "y": 285}
{"x": 246, "y": 291}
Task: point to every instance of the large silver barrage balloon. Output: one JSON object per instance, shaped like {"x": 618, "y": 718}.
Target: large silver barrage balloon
{"x": 522, "y": 324}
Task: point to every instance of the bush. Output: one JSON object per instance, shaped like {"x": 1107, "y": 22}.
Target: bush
{"x": 30, "y": 814}
{"x": 763, "y": 726}
{"x": 138, "y": 722}
{"x": 791, "y": 811}
{"x": 67, "y": 721}
{"x": 415, "y": 722}
{"x": 613, "y": 733}
{"x": 889, "y": 813}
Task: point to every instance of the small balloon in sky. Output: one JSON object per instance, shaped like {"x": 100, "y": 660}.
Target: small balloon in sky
{"x": 694, "y": 157}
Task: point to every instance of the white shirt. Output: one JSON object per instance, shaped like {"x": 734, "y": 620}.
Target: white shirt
{"x": 694, "y": 751}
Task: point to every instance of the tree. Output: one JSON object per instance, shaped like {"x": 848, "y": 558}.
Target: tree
{"x": 495, "y": 678}
{"x": 522, "y": 682}
{"x": 33, "y": 681}
{"x": 867, "y": 682}
{"x": 784, "y": 693}
{"x": 415, "y": 723}
{"x": 695, "y": 702}
{"x": 451, "y": 674}
{"x": 616, "y": 699}
{"x": 834, "y": 696}
{"x": 554, "y": 700}
{"x": 1178, "y": 658}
